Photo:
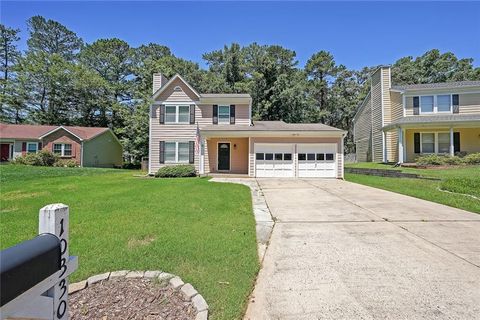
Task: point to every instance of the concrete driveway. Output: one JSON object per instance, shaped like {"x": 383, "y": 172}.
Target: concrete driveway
{"x": 340, "y": 250}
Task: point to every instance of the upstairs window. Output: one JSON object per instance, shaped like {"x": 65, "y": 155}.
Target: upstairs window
{"x": 426, "y": 104}
{"x": 177, "y": 114}
{"x": 224, "y": 114}
{"x": 444, "y": 103}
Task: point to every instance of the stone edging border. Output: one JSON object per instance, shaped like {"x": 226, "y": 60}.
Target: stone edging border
{"x": 174, "y": 282}
{"x": 264, "y": 222}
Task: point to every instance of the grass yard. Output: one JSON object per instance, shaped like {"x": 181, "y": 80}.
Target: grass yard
{"x": 464, "y": 181}
{"x": 202, "y": 231}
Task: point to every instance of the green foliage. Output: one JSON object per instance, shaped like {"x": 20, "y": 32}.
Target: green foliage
{"x": 42, "y": 158}
{"x": 453, "y": 160}
{"x": 66, "y": 163}
{"x": 47, "y": 158}
{"x": 430, "y": 159}
{"x": 472, "y": 158}
{"x": 176, "y": 171}
{"x": 463, "y": 185}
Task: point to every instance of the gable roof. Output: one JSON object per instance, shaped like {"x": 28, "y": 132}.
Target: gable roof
{"x": 440, "y": 85}
{"x": 169, "y": 82}
{"x": 27, "y": 131}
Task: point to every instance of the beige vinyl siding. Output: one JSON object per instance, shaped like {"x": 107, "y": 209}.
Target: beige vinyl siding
{"x": 362, "y": 131}
{"x": 377, "y": 135}
{"x": 186, "y": 94}
{"x": 469, "y": 102}
{"x": 392, "y": 136}
{"x": 238, "y": 154}
{"x": 337, "y": 141}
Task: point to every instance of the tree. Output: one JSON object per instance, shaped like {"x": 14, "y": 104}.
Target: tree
{"x": 228, "y": 63}
{"x": 9, "y": 56}
{"x": 51, "y": 37}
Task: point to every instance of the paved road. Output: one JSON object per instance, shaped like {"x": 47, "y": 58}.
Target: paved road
{"x": 340, "y": 250}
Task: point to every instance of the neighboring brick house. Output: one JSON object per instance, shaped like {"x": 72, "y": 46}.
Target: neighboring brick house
{"x": 400, "y": 123}
{"x": 88, "y": 146}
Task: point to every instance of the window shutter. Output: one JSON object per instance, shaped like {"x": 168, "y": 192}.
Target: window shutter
{"x": 416, "y": 141}
{"x": 24, "y": 147}
{"x": 192, "y": 114}
{"x": 153, "y": 111}
{"x": 39, "y": 146}
{"x": 215, "y": 114}
{"x": 416, "y": 106}
{"x": 455, "y": 103}
{"x": 456, "y": 142}
{"x": 162, "y": 114}
{"x": 162, "y": 151}
{"x": 191, "y": 152}
{"x": 232, "y": 114}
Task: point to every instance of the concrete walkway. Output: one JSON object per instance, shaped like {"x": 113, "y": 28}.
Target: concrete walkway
{"x": 340, "y": 250}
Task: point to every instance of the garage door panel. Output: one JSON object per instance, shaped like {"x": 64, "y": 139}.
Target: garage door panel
{"x": 324, "y": 163}
{"x": 278, "y": 160}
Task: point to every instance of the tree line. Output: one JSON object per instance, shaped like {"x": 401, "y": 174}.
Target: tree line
{"x": 61, "y": 80}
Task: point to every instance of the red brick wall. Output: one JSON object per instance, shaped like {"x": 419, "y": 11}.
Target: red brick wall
{"x": 62, "y": 136}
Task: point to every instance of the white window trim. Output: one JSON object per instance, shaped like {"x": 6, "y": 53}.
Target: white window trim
{"x": 435, "y": 104}
{"x": 229, "y": 114}
{"x": 176, "y": 151}
{"x": 32, "y": 143}
{"x": 435, "y": 142}
{"x": 62, "y": 152}
{"x": 177, "y": 114}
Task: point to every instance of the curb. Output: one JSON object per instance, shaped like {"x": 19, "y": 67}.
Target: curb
{"x": 176, "y": 283}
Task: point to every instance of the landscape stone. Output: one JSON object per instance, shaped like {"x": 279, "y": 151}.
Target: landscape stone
{"x": 135, "y": 274}
{"x": 176, "y": 282}
{"x": 98, "y": 278}
{"x": 199, "y": 303}
{"x": 188, "y": 291}
{"x": 77, "y": 286}
{"x": 202, "y": 315}
{"x": 117, "y": 274}
{"x": 151, "y": 274}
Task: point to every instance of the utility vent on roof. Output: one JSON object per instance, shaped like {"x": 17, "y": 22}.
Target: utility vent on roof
{"x": 177, "y": 88}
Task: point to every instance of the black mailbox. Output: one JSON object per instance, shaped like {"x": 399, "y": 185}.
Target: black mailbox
{"x": 26, "y": 264}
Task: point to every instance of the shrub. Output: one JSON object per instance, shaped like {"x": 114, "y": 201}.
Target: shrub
{"x": 431, "y": 159}
{"x": 473, "y": 158}
{"x": 453, "y": 160}
{"x": 48, "y": 158}
{"x": 461, "y": 154}
{"x": 29, "y": 159}
{"x": 131, "y": 165}
{"x": 176, "y": 171}
{"x": 67, "y": 163}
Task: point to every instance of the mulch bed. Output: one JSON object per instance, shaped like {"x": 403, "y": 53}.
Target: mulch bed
{"x": 130, "y": 299}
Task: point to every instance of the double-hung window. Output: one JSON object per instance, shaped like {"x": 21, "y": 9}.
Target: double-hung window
{"x": 223, "y": 114}
{"x": 177, "y": 114}
{"x": 436, "y": 104}
{"x": 62, "y": 149}
{"x": 32, "y": 147}
{"x": 177, "y": 152}
{"x": 435, "y": 142}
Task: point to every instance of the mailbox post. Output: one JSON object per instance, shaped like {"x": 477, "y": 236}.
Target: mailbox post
{"x": 46, "y": 296}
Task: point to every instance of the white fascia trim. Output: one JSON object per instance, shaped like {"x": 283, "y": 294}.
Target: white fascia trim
{"x": 56, "y": 129}
{"x": 383, "y": 117}
{"x": 276, "y": 134}
{"x": 432, "y": 92}
{"x": 404, "y": 104}
{"x": 169, "y": 82}
{"x": 150, "y": 143}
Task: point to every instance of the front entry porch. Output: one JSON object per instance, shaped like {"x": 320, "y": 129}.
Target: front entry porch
{"x": 226, "y": 156}
{"x": 414, "y": 142}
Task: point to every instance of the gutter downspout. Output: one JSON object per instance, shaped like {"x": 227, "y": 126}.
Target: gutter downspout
{"x": 81, "y": 154}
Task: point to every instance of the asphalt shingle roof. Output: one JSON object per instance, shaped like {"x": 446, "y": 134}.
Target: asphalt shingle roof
{"x": 438, "y": 118}
{"x": 27, "y": 131}
{"x": 272, "y": 126}
{"x": 441, "y": 85}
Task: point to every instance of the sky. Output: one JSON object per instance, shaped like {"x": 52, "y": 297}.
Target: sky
{"x": 358, "y": 34}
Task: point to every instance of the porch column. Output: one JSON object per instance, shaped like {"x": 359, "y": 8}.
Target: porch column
{"x": 452, "y": 148}
{"x": 202, "y": 155}
{"x": 400, "y": 145}
{"x": 385, "y": 155}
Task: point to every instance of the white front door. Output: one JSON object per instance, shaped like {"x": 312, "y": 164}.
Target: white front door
{"x": 274, "y": 160}
{"x": 317, "y": 160}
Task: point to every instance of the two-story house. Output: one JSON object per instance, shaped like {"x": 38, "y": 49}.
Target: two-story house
{"x": 216, "y": 134}
{"x": 400, "y": 123}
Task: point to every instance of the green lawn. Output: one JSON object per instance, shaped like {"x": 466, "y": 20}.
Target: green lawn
{"x": 464, "y": 180}
{"x": 202, "y": 231}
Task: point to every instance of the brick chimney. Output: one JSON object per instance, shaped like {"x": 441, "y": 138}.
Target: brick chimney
{"x": 159, "y": 80}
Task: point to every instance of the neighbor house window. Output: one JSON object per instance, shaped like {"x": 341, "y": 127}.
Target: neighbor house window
{"x": 32, "y": 147}
{"x": 428, "y": 142}
{"x": 62, "y": 149}
{"x": 444, "y": 103}
{"x": 426, "y": 104}
{"x": 177, "y": 114}
{"x": 177, "y": 152}
{"x": 223, "y": 114}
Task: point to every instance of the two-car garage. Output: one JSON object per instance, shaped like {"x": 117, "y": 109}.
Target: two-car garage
{"x": 301, "y": 160}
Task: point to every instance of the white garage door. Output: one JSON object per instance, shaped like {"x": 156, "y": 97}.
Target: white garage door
{"x": 317, "y": 160}
{"x": 274, "y": 160}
